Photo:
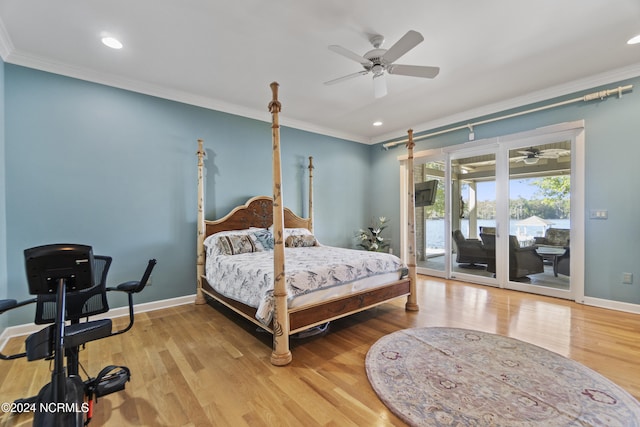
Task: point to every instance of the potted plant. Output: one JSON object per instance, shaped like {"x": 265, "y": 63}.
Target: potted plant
{"x": 372, "y": 240}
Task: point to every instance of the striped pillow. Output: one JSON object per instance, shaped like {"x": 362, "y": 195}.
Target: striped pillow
{"x": 234, "y": 244}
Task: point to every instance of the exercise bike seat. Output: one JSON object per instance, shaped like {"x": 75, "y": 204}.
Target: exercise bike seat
{"x": 81, "y": 333}
{"x": 39, "y": 344}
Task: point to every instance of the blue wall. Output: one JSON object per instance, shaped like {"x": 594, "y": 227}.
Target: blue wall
{"x": 612, "y": 153}
{"x": 87, "y": 163}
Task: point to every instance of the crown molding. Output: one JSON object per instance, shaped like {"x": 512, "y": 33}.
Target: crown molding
{"x": 10, "y": 55}
{"x": 94, "y": 76}
{"x": 586, "y": 83}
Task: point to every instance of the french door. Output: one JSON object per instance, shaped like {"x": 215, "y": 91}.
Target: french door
{"x": 496, "y": 202}
{"x": 542, "y": 173}
{"x": 474, "y": 214}
{"x": 430, "y": 211}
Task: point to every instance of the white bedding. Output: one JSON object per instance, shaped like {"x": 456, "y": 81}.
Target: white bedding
{"x": 318, "y": 271}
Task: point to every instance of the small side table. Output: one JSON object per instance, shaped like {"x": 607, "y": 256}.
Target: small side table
{"x": 551, "y": 254}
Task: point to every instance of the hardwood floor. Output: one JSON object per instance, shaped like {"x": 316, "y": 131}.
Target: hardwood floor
{"x": 203, "y": 366}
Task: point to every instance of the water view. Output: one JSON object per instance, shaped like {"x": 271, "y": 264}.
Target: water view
{"x": 435, "y": 230}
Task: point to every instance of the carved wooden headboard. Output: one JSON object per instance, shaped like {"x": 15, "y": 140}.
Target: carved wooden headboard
{"x": 256, "y": 212}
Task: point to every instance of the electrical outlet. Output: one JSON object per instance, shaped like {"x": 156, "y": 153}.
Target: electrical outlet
{"x": 627, "y": 278}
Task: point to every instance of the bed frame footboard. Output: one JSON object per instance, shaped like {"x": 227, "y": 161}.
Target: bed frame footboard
{"x": 305, "y": 317}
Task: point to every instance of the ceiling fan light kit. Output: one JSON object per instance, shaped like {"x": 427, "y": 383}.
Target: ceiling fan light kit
{"x": 381, "y": 61}
{"x": 379, "y": 85}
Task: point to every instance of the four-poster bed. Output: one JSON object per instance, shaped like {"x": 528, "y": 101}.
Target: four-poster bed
{"x": 287, "y": 304}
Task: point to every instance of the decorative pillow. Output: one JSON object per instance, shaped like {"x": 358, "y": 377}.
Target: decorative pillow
{"x": 291, "y": 231}
{"x": 262, "y": 239}
{"x": 212, "y": 240}
{"x": 234, "y": 244}
{"x": 297, "y": 232}
{"x": 300, "y": 241}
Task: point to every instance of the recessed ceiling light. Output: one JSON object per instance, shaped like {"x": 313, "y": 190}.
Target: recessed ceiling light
{"x": 634, "y": 40}
{"x": 377, "y": 123}
{"x": 112, "y": 42}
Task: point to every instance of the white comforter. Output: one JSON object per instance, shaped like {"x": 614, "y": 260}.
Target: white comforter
{"x": 248, "y": 277}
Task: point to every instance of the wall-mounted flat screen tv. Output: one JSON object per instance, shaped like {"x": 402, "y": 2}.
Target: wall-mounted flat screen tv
{"x": 426, "y": 193}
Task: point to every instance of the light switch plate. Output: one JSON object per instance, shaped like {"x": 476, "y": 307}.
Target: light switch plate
{"x": 598, "y": 214}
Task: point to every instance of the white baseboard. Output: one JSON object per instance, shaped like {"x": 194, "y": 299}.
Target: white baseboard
{"x": 29, "y": 328}
{"x": 612, "y": 305}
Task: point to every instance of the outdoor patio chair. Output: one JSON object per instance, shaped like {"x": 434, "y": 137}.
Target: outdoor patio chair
{"x": 554, "y": 237}
{"x": 522, "y": 260}
{"x": 562, "y": 263}
{"x": 469, "y": 251}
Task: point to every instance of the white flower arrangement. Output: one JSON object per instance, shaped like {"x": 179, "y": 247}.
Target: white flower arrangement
{"x": 371, "y": 240}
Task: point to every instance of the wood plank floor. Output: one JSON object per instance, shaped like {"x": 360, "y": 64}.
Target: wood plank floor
{"x": 203, "y": 366}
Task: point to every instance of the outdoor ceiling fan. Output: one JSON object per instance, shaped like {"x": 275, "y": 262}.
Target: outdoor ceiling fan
{"x": 381, "y": 61}
{"x": 531, "y": 155}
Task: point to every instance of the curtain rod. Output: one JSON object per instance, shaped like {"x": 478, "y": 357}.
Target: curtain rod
{"x": 590, "y": 97}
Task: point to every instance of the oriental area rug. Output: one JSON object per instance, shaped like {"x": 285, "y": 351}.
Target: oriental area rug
{"x": 459, "y": 377}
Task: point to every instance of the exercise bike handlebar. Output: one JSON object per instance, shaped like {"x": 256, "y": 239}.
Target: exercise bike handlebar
{"x": 130, "y": 287}
{"x": 133, "y": 287}
{"x": 7, "y": 304}
{"x": 10, "y": 304}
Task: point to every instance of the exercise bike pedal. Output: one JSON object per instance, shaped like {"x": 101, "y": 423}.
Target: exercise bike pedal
{"x": 110, "y": 380}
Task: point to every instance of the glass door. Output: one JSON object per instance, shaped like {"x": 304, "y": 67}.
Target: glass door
{"x": 505, "y": 212}
{"x": 540, "y": 217}
{"x": 474, "y": 215}
{"x": 430, "y": 222}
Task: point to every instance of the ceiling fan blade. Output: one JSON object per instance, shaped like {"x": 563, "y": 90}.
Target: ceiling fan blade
{"x": 413, "y": 70}
{"x": 347, "y": 77}
{"x": 402, "y": 46}
{"x": 349, "y": 54}
{"x": 526, "y": 152}
{"x": 555, "y": 152}
{"x": 379, "y": 86}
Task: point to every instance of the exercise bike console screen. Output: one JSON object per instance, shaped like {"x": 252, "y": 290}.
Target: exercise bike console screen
{"x": 46, "y": 265}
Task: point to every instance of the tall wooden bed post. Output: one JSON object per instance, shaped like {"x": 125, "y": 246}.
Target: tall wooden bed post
{"x": 412, "y": 304}
{"x": 311, "y": 194}
{"x": 201, "y": 226}
{"x": 281, "y": 355}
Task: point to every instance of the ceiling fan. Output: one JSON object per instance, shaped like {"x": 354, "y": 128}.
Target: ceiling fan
{"x": 381, "y": 61}
{"x": 531, "y": 155}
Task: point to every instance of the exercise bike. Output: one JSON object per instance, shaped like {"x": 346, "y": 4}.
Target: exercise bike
{"x": 70, "y": 284}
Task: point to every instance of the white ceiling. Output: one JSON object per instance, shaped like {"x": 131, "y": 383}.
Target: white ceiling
{"x": 493, "y": 54}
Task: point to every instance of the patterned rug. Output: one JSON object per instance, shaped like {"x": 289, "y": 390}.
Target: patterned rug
{"x": 458, "y": 377}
